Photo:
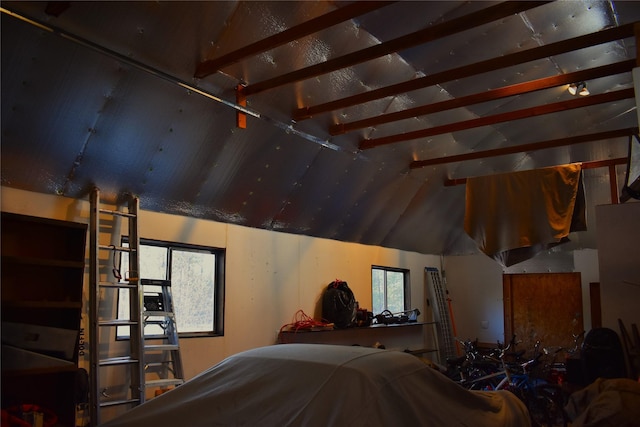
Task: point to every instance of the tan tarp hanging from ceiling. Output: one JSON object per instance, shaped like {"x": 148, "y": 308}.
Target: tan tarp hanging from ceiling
{"x": 513, "y": 216}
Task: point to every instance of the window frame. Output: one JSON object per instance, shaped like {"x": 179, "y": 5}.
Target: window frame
{"x": 406, "y": 288}
{"x": 219, "y": 281}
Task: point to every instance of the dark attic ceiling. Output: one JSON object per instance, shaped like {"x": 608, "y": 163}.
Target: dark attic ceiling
{"x": 354, "y": 121}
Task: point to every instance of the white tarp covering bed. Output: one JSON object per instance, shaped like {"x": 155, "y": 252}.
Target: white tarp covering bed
{"x": 324, "y": 385}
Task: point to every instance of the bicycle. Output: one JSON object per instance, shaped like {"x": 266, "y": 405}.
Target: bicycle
{"x": 555, "y": 371}
{"x": 545, "y": 401}
{"x": 470, "y": 366}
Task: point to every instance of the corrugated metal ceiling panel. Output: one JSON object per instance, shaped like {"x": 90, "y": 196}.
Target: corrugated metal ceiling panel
{"x": 119, "y": 108}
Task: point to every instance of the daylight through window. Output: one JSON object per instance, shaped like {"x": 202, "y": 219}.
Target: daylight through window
{"x": 389, "y": 289}
{"x": 197, "y": 285}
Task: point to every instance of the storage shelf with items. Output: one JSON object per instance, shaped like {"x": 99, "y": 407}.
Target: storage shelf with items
{"x": 417, "y": 338}
{"x": 43, "y": 262}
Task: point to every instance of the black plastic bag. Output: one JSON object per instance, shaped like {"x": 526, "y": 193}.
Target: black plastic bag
{"x": 339, "y": 305}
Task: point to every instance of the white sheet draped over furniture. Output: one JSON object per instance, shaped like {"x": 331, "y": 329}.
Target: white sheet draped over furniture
{"x": 513, "y": 216}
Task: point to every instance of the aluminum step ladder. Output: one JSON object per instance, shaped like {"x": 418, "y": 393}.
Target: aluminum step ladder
{"x": 163, "y": 362}
{"x": 437, "y": 294}
{"x": 107, "y": 388}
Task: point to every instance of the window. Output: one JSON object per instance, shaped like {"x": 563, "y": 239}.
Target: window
{"x": 197, "y": 285}
{"x": 389, "y": 289}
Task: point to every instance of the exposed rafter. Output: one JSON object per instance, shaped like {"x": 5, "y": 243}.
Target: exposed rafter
{"x": 457, "y": 25}
{"x": 501, "y": 118}
{"x": 585, "y": 165}
{"x": 579, "y": 139}
{"x": 609, "y": 163}
{"x": 327, "y": 20}
{"x": 490, "y": 95}
{"x": 492, "y": 64}
{"x": 131, "y": 86}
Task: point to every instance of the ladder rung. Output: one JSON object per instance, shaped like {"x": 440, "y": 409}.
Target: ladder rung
{"x": 118, "y": 402}
{"x": 158, "y": 314}
{"x": 122, "y": 285}
{"x": 161, "y": 323}
{"x": 159, "y": 337}
{"x": 116, "y": 248}
{"x": 118, "y": 322}
{"x": 123, "y": 360}
{"x": 164, "y": 382}
{"x": 156, "y": 282}
{"x": 117, "y": 213}
{"x": 132, "y": 360}
{"x": 163, "y": 347}
{"x": 159, "y": 364}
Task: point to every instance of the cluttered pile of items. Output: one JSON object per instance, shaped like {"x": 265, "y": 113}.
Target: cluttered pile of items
{"x": 341, "y": 310}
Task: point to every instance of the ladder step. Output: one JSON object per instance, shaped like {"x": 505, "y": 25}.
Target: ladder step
{"x": 162, "y": 364}
{"x": 160, "y": 322}
{"x": 123, "y": 360}
{"x": 123, "y": 285}
{"x": 156, "y": 282}
{"x": 158, "y": 313}
{"x": 116, "y": 248}
{"x": 119, "y": 402}
{"x": 118, "y": 322}
{"x": 117, "y": 213}
{"x": 133, "y": 359}
{"x": 166, "y": 382}
{"x": 162, "y": 347}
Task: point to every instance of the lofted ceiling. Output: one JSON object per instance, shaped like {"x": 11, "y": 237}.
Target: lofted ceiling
{"x": 354, "y": 121}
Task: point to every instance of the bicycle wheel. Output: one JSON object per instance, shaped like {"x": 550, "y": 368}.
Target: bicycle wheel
{"x": 546, "y": 406}
{"x": 484, "y": 382}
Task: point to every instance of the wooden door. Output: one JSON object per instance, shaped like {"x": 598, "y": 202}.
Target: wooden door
{"x": 542, "y": 306}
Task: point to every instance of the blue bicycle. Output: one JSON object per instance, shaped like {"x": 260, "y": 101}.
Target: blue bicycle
{"x": 545, "y": 401}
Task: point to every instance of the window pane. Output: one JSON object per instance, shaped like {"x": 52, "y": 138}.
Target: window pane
{"x": 123, "y": 310}
{"x": 153, "y": 328}
{"x": 192, "y": 273}
{"x": 377, "y": 290}
{"x": 153, "y": 262}
{"x": 395, "y": 291}
{"x": 388, "y": 289}
{"x": 193, "y": 285}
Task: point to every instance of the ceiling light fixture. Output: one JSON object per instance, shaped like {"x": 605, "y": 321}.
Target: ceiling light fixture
{"x": 578, "y": 89}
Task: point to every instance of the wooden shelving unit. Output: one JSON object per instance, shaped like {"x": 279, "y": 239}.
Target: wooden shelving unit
{"x": 43, "y": 263}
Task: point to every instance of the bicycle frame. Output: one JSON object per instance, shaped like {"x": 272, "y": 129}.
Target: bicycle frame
{"x": 543, "y": 400}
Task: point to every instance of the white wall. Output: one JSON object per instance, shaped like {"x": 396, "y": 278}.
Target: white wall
{"x": 586, "y": 262}
{"x": 475, "y": 287}
{"x": 272, "y": 275}
{"x": 619, "y": 263}
{"x": 474, "y": 283}
{"x": 269, "y": 275}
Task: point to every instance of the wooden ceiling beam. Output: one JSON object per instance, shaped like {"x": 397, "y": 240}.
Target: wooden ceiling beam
{"x": 490, "y": 95}
{"x": 557, "y": 48}
{"x": 314, "y": 25}
{"x": 534, "y": 146}
{"x": 457, "y": 25}
{"x": 501, "y": 118}
{"x": 585, "y": 165}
